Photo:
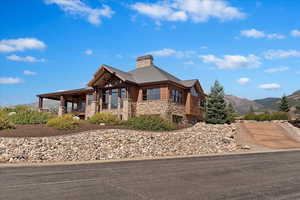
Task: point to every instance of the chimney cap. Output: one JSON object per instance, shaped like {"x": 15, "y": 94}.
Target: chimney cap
{"x": 145, "y": 57}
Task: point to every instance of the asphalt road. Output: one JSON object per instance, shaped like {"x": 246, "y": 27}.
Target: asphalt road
{"x": 259, "y": 176}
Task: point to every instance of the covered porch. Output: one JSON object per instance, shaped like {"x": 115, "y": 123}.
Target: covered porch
{"x": 70, "y": 101}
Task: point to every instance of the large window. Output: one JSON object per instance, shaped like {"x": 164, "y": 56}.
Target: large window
{"x": 114, "y": 98}
{"x": 177, "y": 96}
{"x": 90, "y": 99}
{"x": 105, "y": 99}
{"x": 194, "y": 92}
{"x": 123, "y": 96}
{"x": 151, "y": 94}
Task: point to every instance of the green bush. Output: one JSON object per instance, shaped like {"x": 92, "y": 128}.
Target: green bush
{"x": 5, "y": 124}
{"x": 65, "y": 122}
{"x": 28, "y": 116}
{"x": 280, "y": 116}
{"x": 267, "y": 116}
{"x": 149, "y": 123}
{"x": 102, "y": 117}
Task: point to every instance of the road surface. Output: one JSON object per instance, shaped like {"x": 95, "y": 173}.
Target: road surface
{"x": 256, "y": 176}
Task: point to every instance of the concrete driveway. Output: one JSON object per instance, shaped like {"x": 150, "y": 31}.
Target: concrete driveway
{"x": 257, "y": 176}
{"x": 267, "y": 134}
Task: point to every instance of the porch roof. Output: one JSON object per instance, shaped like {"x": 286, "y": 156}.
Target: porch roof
{"x": 67, "y": 93}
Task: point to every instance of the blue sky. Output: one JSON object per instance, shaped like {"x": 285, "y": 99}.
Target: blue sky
{"x": 251, "y": 47}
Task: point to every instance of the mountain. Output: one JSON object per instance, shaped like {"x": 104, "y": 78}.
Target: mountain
{"x": 268, "y": 103}
{"x": 47, "y": 104}
{"x": 242, "y": 105}
{"x": 273, "y": 103}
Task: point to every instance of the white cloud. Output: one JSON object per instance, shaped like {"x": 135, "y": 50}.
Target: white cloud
{"x": 232, "y": 61}
{"x": 189, "y": 62}
{"x": 276, "y": 54}
{"x": 79, "y": 8}
{"x": 183, "y": 10}
{"x": 270, "y": 86}
{"x": 253, "y": 33}
{"x": 295, "y": 33}
{"x": 277, "y": 69}
{"x": 171, "y": 52}
{"x": 24, "y": 59}
{"x": 243, "y": 81}
{"x": 10, "y": 80}
{"x": 30, "y": 73}
{"x": 88, "y": 52}
{"x": 203, "y": 47}
{"x": 21, "y": 44}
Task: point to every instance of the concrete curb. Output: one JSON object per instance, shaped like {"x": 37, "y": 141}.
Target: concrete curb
{"x": 16, "y": 165}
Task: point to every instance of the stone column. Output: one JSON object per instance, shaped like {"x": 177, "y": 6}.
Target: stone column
{"x": 94, "y": 103}
{"x": 62, "y": 108}
{"x": 40, "y": 104}
{"x": 126, "y": 109}
{"x": 119, "y": 103}
{"x": 109, "y": 100}
{"x": 100, "y": 100}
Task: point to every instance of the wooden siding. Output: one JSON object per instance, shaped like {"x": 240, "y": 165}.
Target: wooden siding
{"x": 192, "y": 105}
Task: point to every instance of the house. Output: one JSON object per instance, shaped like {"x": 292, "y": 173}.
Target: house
{"x": 146, "y": 90}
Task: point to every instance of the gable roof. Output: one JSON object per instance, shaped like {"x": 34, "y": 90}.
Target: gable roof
{"x": 144, "y": 75}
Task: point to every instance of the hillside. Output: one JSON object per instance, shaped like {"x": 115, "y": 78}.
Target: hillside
{"x": 242, "y": 105}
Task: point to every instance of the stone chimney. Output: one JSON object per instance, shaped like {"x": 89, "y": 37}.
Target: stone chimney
{"x": 144, "y": 61}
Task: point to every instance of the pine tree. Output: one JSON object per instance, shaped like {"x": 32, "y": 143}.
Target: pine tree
{"x": 230, "y": 113}
{"x": 216, "y": 112}
{"x": 284, "y": 104}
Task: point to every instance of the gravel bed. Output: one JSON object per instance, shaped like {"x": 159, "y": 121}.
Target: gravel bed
{"x": 120, "y": 144}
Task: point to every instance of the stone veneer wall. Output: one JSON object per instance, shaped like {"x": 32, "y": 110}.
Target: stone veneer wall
{"x": 164, "y": 108}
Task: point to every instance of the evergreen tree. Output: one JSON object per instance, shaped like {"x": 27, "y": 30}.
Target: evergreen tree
{"x": 216, "y": 112}
{"x": 230, "y": 113}
{"x": 284, "y": 104}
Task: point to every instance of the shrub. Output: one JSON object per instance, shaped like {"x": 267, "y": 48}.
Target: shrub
{"x": 29, "y": 117}
{"x": 103, "y": 117}
{"x": 280, "y": 116}
{"x": 149, "y": 123}
{"x": 267, "y": 116}
{"x": 65, "y": 122}
{"x": 5, "y": 124}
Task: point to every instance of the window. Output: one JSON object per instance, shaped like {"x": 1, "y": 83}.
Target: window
{"x": 194, "y": 92}
{"x": 105, "y": 99}
{"x": 177, "y": 96}
{"x": 90, "y": 99}
{"x": 202, "y": 103}
{"x": 123, "y": 96}
{"x": 114, "y": 98}
{"x": 151, "y": 94}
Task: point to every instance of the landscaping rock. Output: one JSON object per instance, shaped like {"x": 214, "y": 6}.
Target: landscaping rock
{"x": 120, "y": 144}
